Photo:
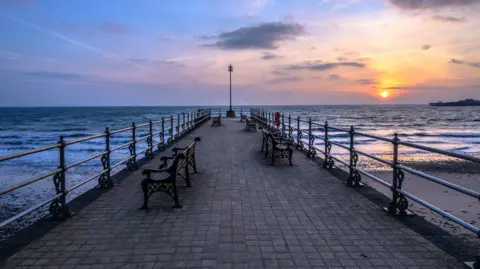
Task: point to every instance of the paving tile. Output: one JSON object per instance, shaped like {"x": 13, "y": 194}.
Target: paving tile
{"x": 239, "y": 213}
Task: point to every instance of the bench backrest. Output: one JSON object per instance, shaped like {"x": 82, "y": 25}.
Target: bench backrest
{"x": 189, "y": 152}
{"x": 175, "y": 164}
{"x": 271, "y": 138}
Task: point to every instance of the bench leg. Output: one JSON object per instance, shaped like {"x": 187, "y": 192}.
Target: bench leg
{"x": 187, "y": 176}
{"x": 273, "y": 157}
{"x": 263, "y": 144}
{"x": 175, "y": 197}
{"x": 266, "y": 149}
{"x": 146, "y": 195}
{"x": 290, "y": 153}
{"x": 194, "y": 164}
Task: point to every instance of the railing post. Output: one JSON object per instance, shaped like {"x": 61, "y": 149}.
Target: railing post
{"x": 105, "y": 180}
{"x": 311, "y": 140}
{"x": 183, "y": 123}
{"x": 328, "y": 160}
{"x": 290, "y": 129}
{"x": 399, "y": 203}
{"x": 354, "y": 176}
{"x": 170, "y": 132}
{"x": 188, "y": 122}
{"x": 132, "y": 162}
{"x": 299, "y": 135}
{"x": 283, "y": 126}
{"x": 161, "y": 145}
{"x": 177, "y": 128}
{"x": 58, "y": 208}
{"x": 149, "y": 152}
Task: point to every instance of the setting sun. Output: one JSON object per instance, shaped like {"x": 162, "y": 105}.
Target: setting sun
{"x": 384, "y": 94}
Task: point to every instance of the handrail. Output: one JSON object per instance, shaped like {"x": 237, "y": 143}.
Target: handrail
{"x": 18, "y": 186}
{"x": 28, "y": 211}
{"x": 448, "y": 153}
{"x": 85, "y": 181}
{"x": 29, "y": 152}
{"x": 121, "y": 146}
{"x": 174, "y": 131}
{"x": 121, "y": 130}
{"x": 84, "y": 139}
{"x": 441, "y": 212}
{"x": 371, "y": 156}
{"x": 339, "y": 129}
{"x": 374, "y": 137}
{"x": 447, "y": 184}
{"x": 356, "y": 172}
{"x": 85, "y": 160}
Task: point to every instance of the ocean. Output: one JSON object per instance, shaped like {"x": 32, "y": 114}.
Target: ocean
{"x": 455, "y": 129}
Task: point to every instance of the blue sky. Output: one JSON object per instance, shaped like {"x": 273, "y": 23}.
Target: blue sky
{"x": 82, "y": 53}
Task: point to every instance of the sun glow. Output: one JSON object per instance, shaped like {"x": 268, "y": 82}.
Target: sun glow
{"x": 384, "y": 94}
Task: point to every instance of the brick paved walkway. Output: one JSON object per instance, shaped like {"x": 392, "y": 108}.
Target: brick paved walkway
{"x": 240, "y": 213}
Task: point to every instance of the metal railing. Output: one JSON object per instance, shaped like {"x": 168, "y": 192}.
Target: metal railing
{"x": 239, "y": 111}
{"x": 58, "y": 208}
{"x": 399, "y": 196}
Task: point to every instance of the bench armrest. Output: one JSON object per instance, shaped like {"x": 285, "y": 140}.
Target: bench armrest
{"x": 175, "y": 150}
{"x": 148, "y": 172}
{"x": 165, "y": 158}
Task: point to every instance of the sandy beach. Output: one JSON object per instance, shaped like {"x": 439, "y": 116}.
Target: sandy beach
{"x": 462, "y": 173}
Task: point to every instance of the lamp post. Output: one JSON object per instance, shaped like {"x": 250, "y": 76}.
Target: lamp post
{"x": 230, "y": 112}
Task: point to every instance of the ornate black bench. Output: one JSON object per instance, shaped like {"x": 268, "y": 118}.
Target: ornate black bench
{"x": 250, "y": 125}
{"x": 164, "y": 180}
{"x": 265, "y": 134}
{"x": 178, "y": 164}
{"x": 243, "y": 117}
{"x": 216, "y": 121}
{"x": 279, "y": 148}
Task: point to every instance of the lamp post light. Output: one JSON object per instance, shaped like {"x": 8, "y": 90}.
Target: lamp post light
{"x": 230, "y": 112}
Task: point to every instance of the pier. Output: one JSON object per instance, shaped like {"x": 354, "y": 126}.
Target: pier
{"x": 241, "y": 212}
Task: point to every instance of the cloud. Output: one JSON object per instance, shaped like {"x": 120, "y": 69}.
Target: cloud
{"x": 339, "y": 4}
{"x": 270, "y": 56}
{"x": 144, "y": 61}
{"x": 342, "y": 59}
{"x": 460, "y": 62}
{"x": 395, "y": 88}
{"x": 448, "y": 18}
{"x": 115, "y": 28}
{"x": 284, "y": 79}
{"x": 334, "y": 77}
{"x": 53, "y": 75}
{"x": 321, "y": 66}
{"x": 261, "y": 36}
{"x": 426, "y": 47}
{"x": 430, "y": 4}
{"x": 366, "y": 81}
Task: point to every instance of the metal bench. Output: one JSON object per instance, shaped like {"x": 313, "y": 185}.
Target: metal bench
{"x": 216, "y": 121}
{"x": 250, "y": 126}
{"x": 265, "y": 134}
{"x": 164, "y": 180}
{"x": 279, "y": 148}
{"x": 243, "y": 117}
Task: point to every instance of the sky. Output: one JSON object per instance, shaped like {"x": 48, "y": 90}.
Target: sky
{"x": 283, "y": 52}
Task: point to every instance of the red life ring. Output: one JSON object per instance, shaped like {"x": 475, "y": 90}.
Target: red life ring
{"x": 277, "y": 118}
